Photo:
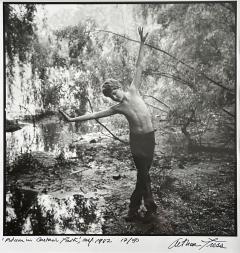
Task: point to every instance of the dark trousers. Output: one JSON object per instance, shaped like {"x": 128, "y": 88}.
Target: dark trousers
{"x": 142, "y": 148}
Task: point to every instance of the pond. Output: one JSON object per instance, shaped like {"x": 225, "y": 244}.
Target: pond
{"x": 49, "y": 135}
{"x": 30, "y": 210}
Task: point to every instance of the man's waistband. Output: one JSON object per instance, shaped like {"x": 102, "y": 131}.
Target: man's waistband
{"x": 139, "y": 135}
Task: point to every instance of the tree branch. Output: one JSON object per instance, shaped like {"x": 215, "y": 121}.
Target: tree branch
{"x": 145, "y": 95}
{"x": 113, "y": 135}
{"x": 232, "y": 115}
{"x": 173, "y": 57}
{"x": 156, "y": 108}
{"x": 177, "y": 78}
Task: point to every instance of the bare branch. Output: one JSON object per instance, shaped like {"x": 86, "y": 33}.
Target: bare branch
{"x": 113, "y": 135}
{"x": 156, "y": 108}
{"x": 232, "y": 115}
{"x": 177, "y": 78}
{"x": 157, "y": 100}
{"x": 173, "y": 57}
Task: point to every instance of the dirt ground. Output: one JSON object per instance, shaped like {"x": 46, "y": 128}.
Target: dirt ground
{"x": 195, "y": 193}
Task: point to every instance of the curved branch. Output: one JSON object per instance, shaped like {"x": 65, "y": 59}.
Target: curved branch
{"x": 113, "y": 135}
{"x": 177, "y": 78}
{"x": 156, "y": 108}
{"x": 173, "y": 57}
{"x": 145, "y": 95}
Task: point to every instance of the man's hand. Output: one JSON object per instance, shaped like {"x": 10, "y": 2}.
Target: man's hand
{"x": 142, "y": 37}
{"x": 65, "y": 116}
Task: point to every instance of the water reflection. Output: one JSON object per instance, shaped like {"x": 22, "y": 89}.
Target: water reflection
{"x": 28, "y": 212}
{"x": 31, "y": 212}
{"x": 50, "y": 136}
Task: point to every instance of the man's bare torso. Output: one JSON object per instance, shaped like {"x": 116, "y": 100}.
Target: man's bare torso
{"x": 135, "y": 110}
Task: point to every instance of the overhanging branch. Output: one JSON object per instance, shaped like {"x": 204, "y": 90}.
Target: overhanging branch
{"x": 157, "y": 100}
{"x": 173, "y": 57}
{"x": 174, "y": 77}
{"x": 156, "y": 108}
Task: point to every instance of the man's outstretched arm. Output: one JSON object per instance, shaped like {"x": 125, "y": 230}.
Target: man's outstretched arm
{"x": 95, "y": 115}
{"x": 138, "y": 70}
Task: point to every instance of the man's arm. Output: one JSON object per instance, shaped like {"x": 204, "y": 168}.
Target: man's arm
{"x": 95, "y": 115}
{"x": 138, "y": 70}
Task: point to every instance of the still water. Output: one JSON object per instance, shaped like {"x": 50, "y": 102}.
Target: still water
{"x": 28, "y": 212}
{"x": 32, "y": 212}
{"x": 50, "y": 135}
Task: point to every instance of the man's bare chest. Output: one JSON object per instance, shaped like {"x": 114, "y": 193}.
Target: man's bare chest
{"x": 133, "y": 105}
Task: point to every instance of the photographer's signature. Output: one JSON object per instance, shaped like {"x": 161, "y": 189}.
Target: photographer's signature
{"x": 206, "y": 243}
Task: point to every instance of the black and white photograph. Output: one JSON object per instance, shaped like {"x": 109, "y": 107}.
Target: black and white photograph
{"x": 120, "y": 119}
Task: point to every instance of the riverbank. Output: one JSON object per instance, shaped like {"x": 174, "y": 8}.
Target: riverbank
{"x": 195, "y": 193}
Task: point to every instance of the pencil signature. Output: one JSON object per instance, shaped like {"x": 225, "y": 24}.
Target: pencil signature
{"x": 207, "y": 243}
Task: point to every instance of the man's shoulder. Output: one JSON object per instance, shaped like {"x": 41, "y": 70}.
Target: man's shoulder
{"x": 117, "y": 108}
{"x": 121, "y": 107}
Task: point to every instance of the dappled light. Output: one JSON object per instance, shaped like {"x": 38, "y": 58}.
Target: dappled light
{"x": 83, "y": 81}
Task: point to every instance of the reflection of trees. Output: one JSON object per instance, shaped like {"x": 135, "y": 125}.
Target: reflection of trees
{"x": 17, "y": 142}
{"x": 50, "y": 136}
{"x": 24, "y": 140}
{"x": 82, "y": 127}
{"x": 18, "y": 205}
{"x": 44, "y": 137}
{"x": 29, "y": 213}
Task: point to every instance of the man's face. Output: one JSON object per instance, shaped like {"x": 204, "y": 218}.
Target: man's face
{"x": 117, "y": 95}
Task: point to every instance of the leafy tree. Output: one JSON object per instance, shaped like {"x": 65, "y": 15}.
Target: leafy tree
{"x": 19, "y": 30}
{"x": 19, "y": 33}
{"x": 199, "y": 79}
{"x": 194, "y": 74}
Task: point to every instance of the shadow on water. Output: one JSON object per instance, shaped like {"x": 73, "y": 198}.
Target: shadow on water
{"x": 28, "y": 212}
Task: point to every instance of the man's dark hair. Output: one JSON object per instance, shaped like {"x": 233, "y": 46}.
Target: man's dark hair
{"x": 110, "y": 85}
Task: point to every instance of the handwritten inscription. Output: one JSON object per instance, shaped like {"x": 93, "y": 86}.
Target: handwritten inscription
{"x": 207, "y": 243}
{"x": 129, "y": 240}
{"x": 46, "y": 239}
{"x": 13, "y": 239}
{"x": 73, "y": 240}
{"x": 90, "y": 241}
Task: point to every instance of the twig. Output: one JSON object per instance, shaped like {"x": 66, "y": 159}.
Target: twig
{"x": 173, "y": 57}
{"x": 77, "y": 171}
{"x": 156, "y": 108}
{"x": 113, "y": 135}
{"x": 177, "y": 78}
{"x": 157, "y": 100}
{"x": 232, "y": 115}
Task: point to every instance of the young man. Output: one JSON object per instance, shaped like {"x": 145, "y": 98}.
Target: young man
{"x": 142, "y": 140}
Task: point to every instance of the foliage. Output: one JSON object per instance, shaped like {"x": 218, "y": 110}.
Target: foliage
{"x": 203, "y": 37}
{"x": 70, "y": 63}
{"x": 19, "y": 30}
{"x": 193, "y": 82}
{"x": 23, "y": 163}
{"x": 19, "y": 34}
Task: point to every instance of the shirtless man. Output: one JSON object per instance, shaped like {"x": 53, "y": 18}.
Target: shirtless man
{"x": 142, "y": 141}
